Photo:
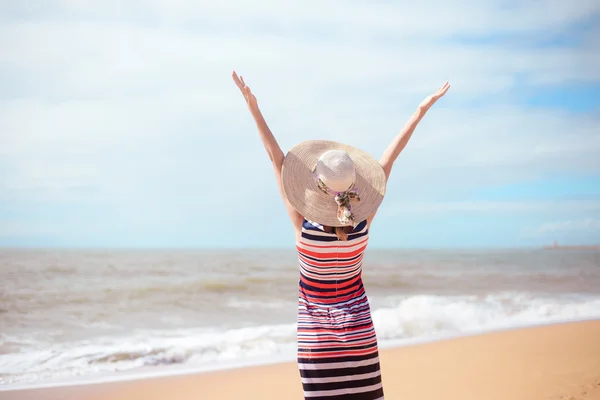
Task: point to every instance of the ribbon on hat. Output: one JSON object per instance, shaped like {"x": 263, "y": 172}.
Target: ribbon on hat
{"x": 343, "y": 200}
{"x": 344, "y": 213}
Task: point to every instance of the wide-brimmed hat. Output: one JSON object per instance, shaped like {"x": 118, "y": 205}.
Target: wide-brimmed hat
{"x": 332, "y": 183}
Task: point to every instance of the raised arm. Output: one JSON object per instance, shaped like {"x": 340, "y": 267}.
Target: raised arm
{"x": 399, "y": 143}
{"x": 271, "y": 145}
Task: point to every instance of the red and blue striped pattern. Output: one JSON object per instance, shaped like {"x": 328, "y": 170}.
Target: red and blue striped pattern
{"x": 337, "y": 346}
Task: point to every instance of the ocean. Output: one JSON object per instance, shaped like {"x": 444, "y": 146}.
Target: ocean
{"x": 72, "y": 315}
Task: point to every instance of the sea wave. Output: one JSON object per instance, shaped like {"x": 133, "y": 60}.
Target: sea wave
{"x": 428, "y": 315}
{"x": 403, "y": 318}
{"x": 42, "y": 361}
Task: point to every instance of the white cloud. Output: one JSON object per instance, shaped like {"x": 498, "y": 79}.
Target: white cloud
{"x": 422, "y": 18}
{"x": 132, "y": 105}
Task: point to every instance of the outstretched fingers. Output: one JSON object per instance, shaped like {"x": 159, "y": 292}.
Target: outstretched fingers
{"x": 236, "y": 78}
{"x": 239, "y": 81}
{"x": 444, "y": 89}
{"x": 441, "y": 91}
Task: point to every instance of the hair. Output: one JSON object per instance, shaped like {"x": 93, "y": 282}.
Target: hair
{"x": 341, "y": 233}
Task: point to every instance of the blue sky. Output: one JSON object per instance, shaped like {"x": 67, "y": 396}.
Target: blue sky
{"x": 120, "y": 125}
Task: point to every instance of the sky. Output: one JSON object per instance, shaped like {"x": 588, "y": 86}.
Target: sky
{"x": 120, "y": 125}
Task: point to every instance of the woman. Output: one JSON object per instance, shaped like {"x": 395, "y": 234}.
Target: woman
{"x": 331, "y": 192}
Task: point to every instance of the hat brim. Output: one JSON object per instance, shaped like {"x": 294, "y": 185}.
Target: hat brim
{"x": 301, "y": 189}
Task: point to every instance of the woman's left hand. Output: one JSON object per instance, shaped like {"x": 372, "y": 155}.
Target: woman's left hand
{"x": 432, "y": 98}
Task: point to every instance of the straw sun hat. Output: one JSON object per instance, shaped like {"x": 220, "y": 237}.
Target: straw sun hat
{"x": 331, "y": 183}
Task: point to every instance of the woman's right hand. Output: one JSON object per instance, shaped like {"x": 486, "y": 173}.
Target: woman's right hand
{"x": 246, "y": 92}
{"x": 431, "y": 99}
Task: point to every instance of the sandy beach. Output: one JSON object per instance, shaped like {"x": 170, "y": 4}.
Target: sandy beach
{"x": 560, "y": 361}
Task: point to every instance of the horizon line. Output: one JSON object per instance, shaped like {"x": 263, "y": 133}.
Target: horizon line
{"x": 292, "y": 247}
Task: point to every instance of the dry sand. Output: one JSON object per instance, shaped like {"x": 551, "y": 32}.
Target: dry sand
{"x": 550, "y": 362}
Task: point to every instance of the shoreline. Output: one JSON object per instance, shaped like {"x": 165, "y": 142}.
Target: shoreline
{"x": 551, "y": 361}
{"x": 181, "y": 371}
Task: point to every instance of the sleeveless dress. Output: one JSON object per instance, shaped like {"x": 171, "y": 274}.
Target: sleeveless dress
{"x": 338, "y": 354}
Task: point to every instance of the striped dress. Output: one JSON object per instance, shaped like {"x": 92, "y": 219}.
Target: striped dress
{"x": 337, "y": 347}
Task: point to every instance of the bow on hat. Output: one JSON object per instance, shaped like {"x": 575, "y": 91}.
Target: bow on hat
{"x": 343, "y": 200}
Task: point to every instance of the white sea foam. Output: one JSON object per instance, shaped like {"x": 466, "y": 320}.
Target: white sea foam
{"x": 427, "y": 315}
{"x": 407, "y": 318}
